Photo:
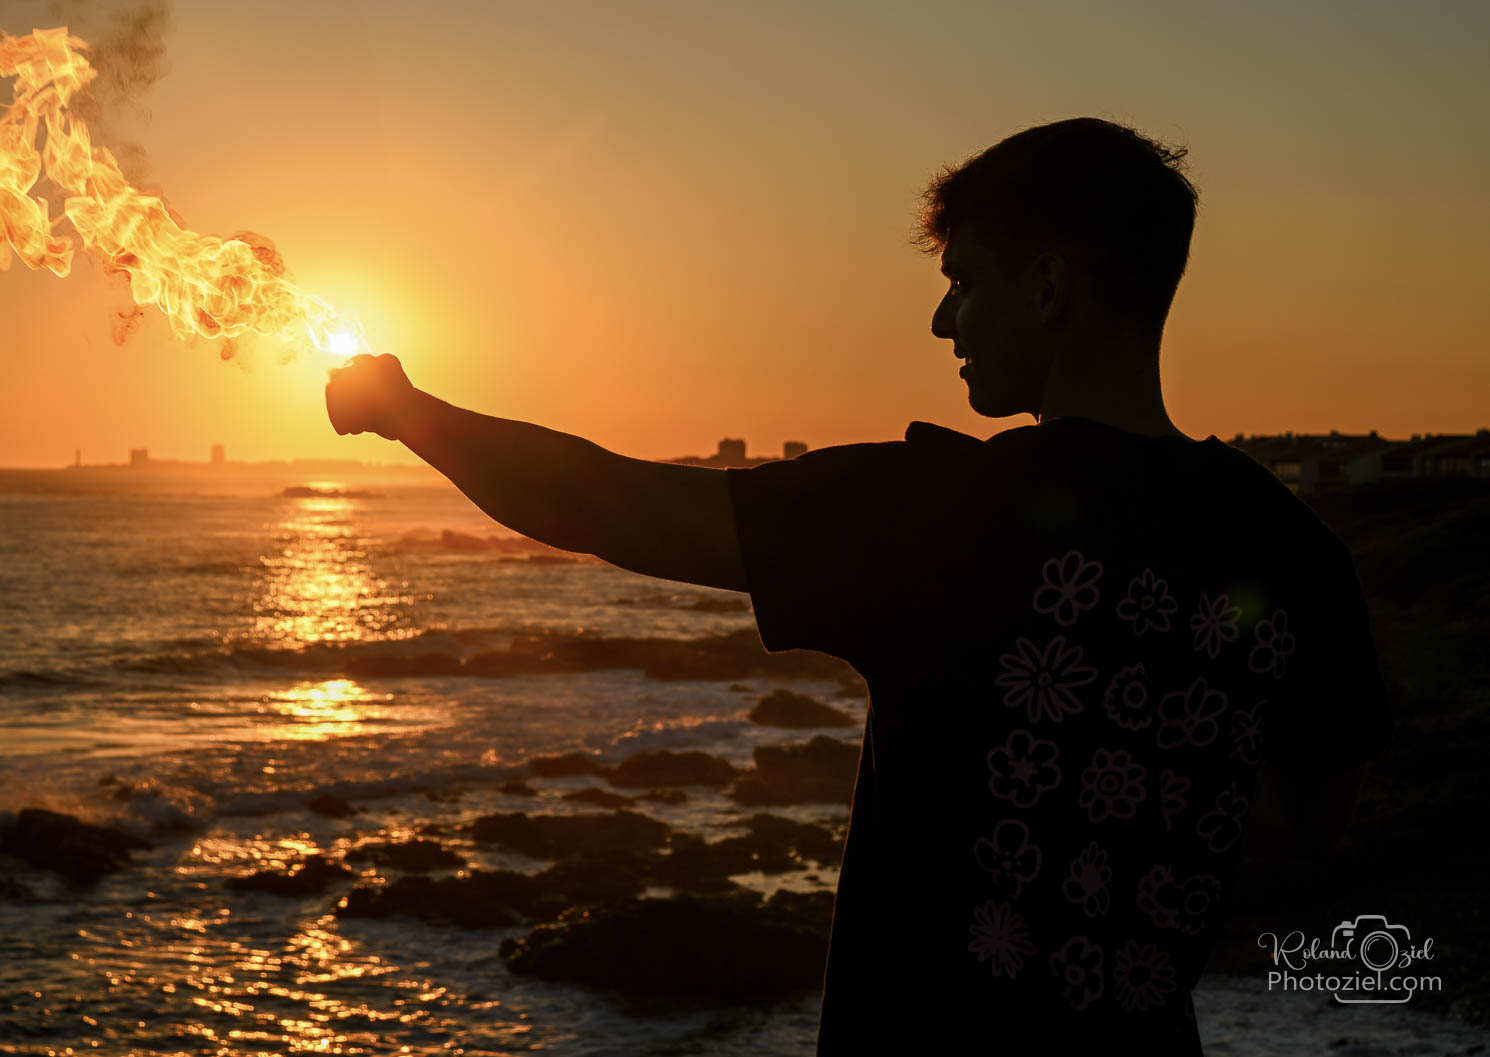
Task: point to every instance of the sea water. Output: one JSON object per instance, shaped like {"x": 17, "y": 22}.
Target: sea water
{"x": 183, "y": 666}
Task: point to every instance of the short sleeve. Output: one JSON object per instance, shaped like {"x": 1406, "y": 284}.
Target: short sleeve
{"x": 1330, "y": 712}
{"x": 823, "y": 540}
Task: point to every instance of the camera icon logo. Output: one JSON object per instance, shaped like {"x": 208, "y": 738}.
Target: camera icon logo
{"x": 1374, "y": 940}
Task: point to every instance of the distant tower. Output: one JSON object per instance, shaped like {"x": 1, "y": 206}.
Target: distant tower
{"x": 77, "y": 457}
{"x": 731, "y": 451}
{"x": 139, "y": 456}
{"x": 792, "y": 448}
{"x": 219, "y": 456}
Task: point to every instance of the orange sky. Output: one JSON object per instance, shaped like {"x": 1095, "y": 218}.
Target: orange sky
{"x": 656, "y": 230}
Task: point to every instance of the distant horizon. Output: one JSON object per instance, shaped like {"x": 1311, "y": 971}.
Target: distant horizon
{"x": 751, "y": 452}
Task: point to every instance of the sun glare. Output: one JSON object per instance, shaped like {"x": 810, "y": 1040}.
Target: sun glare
{"x": 342, "y": 343}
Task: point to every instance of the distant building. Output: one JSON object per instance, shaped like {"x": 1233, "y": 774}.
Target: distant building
{"x": 792, "y": 448}
{"x": 219, "y": 455}
{"x": 1311, "y": 463}
{"x": 77, "y": 457}
{"x": 731, "y": 453}
{"x": 139, "y": 456}
{"x": 1430, "y": 455}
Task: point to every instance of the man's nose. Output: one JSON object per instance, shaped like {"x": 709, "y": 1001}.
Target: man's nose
{"x": 943, "y": 319}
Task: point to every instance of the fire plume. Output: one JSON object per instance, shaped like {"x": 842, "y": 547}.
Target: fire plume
{"x": 206, "y": 285}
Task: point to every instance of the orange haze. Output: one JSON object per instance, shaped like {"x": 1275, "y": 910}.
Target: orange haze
{"x": 656, "y": 229}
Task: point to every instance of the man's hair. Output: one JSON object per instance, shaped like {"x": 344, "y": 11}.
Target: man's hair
{"x": 1110, "y": 199}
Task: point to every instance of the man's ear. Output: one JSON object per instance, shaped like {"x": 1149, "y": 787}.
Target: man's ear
{"x": 1053, "y": 286}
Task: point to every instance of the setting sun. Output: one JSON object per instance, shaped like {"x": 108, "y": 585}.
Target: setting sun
{"x": 342, "y": 343}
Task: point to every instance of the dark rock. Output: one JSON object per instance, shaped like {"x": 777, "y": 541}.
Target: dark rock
{"x": 812, "y": 909}
{"x": 665, "y": 796}
{"x": 741, "y": 688}
{"x": 729, "y": 946}
{"x": 78, "y": 851}
{"x": 693, "y": 865}
{"x": 821, "y": 771}
{"x": 564, "y": 766}
{"x": 664, "y": 767}
{"x": 513, "y": 787}
{"x": 414, "y": 856}
{"x": 803, "y": 839}
{"x": 773, "y": 845}
{"x": 554, "y": 836}
{"x": 599, "y": 797}
{"x": 330, "y": 806}
{"x": 307, "y": 877}
{"x": 700, "y": 859}
{"x": 783, "y": 708}
{"x": 13, "y": 889}
{"x": 503, "y": 897}
{"x": 589, "y": 877}
{"x": 477, "y": 901}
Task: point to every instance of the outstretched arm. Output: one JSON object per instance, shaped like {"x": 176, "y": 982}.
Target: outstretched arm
{"x": 659, "y": 519}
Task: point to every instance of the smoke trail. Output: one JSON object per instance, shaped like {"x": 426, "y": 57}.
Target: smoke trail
{"x": 211, "y": 287}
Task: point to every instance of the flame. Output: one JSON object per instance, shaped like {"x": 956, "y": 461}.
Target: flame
{"x": 206, "y": 285}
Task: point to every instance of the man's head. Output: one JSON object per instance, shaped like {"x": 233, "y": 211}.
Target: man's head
{"x": 1062, "y": 243}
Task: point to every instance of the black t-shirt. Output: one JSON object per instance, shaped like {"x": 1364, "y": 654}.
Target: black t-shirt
{"x": 1078, "y": 642}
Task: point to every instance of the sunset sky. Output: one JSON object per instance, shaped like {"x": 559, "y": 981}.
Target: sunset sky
{"x": 658, "y": 224}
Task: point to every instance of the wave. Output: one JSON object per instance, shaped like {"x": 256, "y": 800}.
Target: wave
{"x": 494, "y": 654}
{"x": 465, "y": 542}
{"x": 47, "y": 679}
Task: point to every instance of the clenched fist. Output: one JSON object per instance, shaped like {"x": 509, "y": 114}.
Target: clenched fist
{"x": 369, "y": 394}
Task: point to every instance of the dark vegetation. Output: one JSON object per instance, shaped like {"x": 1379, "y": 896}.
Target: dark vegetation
{"x": 1416, "y": 850}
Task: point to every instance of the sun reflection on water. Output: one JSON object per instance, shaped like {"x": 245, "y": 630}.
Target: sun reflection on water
{"x": 320, "y": 586}
{"x": 331, "y": 708}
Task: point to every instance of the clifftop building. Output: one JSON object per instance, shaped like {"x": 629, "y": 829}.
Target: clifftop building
{"x": 732, "y": 453}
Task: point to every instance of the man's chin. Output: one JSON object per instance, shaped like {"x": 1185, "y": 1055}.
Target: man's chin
{"x": 986, "y": 404}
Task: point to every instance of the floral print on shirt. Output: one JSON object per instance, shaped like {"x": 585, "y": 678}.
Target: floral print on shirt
{"x": 1158, "y": 764}
{"x": 1148, "y": 604}
{"x": 1069, "y": 587}
{"x": 1023, "y": 767}
{"x": 1009, "y": 857}
{"x": 1087, "y": 882}
{"x": 1044, "y": 682}
{"x": 1000, "y": 937}
{"x": 1078, "y": 968}
{"x": 1274, "y": 644}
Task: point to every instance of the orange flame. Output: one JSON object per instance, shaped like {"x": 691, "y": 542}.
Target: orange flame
{"x": 206, "y": 285}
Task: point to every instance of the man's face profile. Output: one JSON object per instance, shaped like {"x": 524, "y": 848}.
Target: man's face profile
{"x": 988, "y": 316}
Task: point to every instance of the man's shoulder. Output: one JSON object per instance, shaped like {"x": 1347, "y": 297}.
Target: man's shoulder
{"x": 930, "y": 437}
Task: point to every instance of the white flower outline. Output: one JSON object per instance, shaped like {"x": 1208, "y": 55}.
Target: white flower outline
{"x": 1150, "y": 607}
{"x": 1213, "y": 623}
{"x": 1273, "y": 646}
{"x": 1041, "y": 680}
{"x": 1021, "y": 766}
{"x": 1070, "y": 587}
{"x": 1000, "y": 935}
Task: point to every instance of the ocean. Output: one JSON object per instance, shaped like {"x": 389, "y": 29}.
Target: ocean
{"x": 198, "y": 669}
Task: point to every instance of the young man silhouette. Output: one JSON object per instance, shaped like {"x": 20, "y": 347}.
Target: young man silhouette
{"x": 1093, "y": 645}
